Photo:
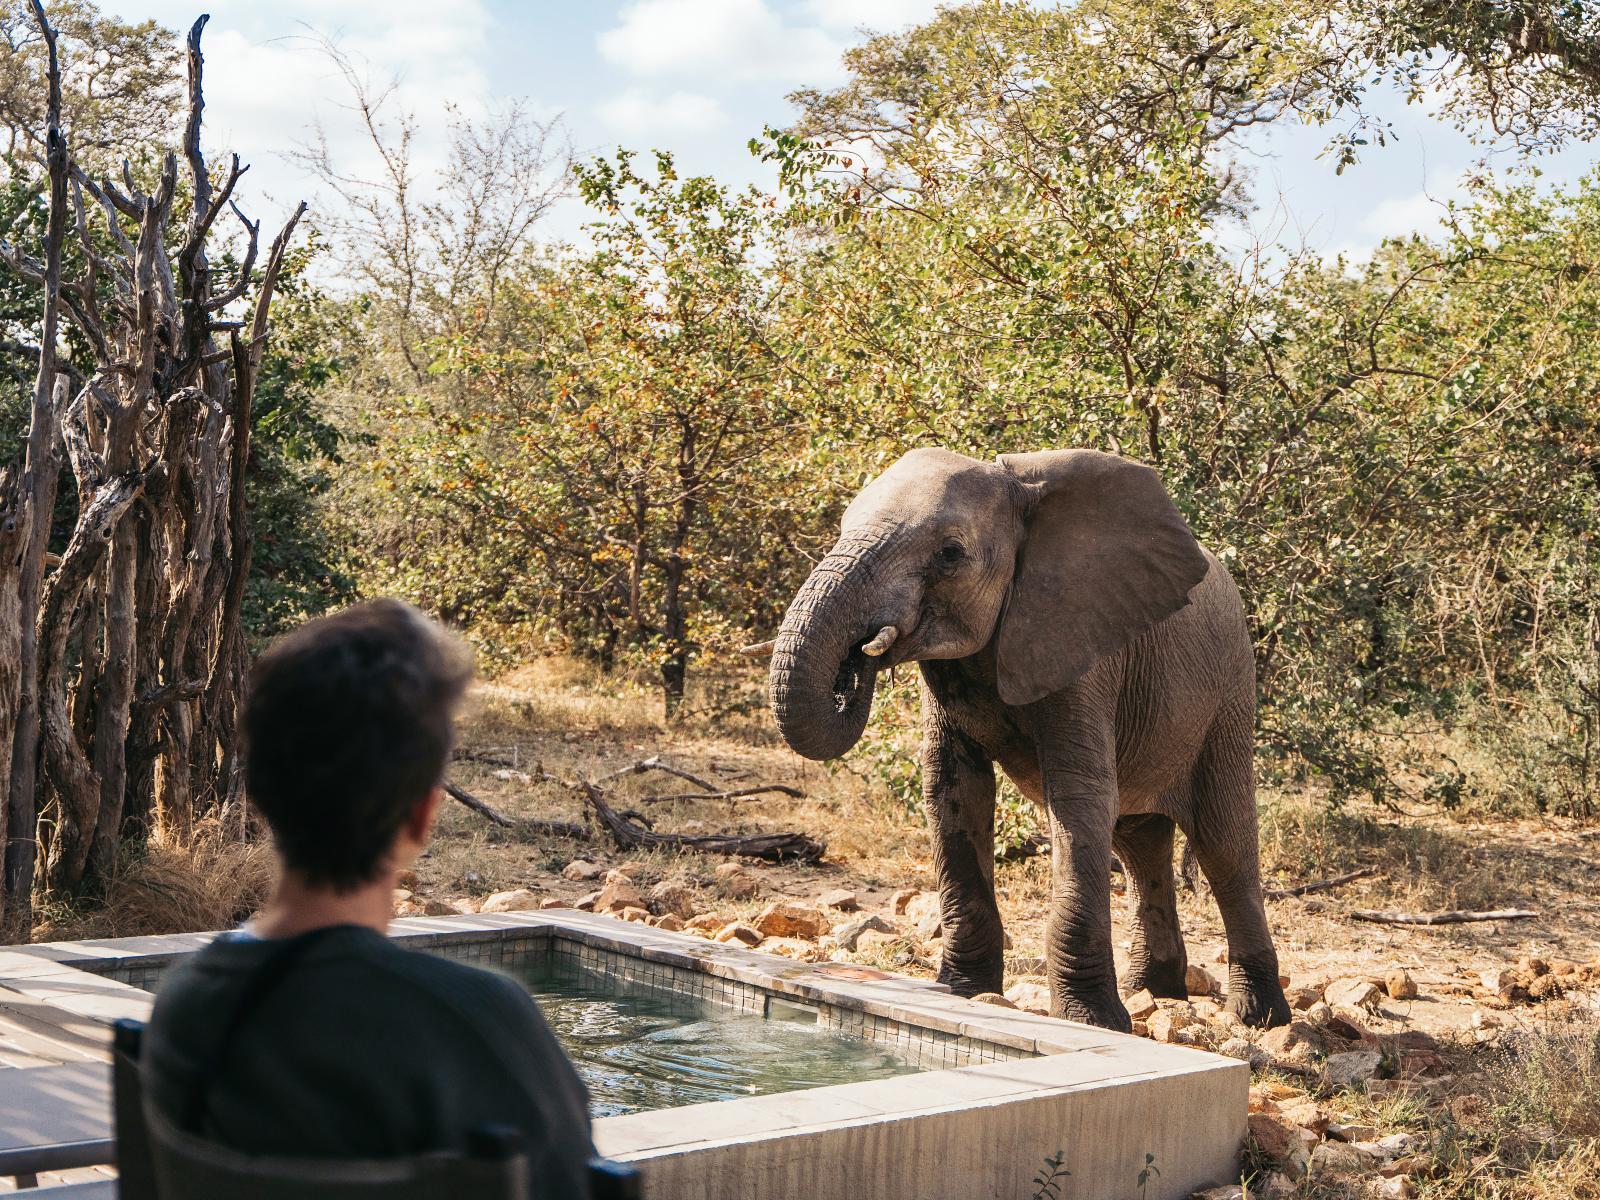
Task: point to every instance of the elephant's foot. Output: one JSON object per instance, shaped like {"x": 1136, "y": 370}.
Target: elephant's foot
{"x": 972, "y": 976}
{"x": 1254, "y": 994}
{"x": 1166, "y": 979}
{"x": 1103, "y": 1007}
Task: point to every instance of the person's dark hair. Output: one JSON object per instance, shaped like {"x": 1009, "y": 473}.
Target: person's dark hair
{"x": 348, "y": 725}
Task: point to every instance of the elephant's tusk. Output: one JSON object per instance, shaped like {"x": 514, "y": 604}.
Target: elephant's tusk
{"x": 882, "y": 642}
{"x": 759, "y": 650}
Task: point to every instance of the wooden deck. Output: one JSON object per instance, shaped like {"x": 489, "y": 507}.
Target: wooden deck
{"x": 35, "y": 1034}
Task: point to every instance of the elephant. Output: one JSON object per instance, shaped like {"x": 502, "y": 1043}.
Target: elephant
{"x": 1068, "y": 627}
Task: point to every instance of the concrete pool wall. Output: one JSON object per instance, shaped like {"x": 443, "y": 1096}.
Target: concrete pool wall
{"x": 1000, "y": 1090}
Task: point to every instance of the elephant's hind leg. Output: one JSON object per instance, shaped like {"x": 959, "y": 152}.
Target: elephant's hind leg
{"x": 1222, "y": 827}
{"x": 1157, "y": 960}
{"x": 958, "y": 792}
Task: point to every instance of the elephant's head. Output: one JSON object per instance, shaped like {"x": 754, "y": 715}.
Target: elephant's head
{"x": 1061, "y": 557}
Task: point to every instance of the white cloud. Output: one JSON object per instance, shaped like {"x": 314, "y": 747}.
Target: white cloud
{"x": 268, "y": 82}
{"x": 880, "y": 16}
{"x": 1422, "y": 212}
{"x": 722, "y": 39}
{"x": 640, "y": 115}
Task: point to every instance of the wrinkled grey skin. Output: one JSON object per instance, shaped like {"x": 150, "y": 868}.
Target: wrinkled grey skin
{"x": 1069, "y": 628}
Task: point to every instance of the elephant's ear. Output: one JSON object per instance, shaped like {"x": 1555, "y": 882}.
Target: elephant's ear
{"x": 1105, "y": 556}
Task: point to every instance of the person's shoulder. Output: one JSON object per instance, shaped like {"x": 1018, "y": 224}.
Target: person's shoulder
{"x": 454, "y": 984}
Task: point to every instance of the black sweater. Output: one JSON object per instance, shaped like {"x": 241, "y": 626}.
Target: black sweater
{"x": 365, "y": 1050}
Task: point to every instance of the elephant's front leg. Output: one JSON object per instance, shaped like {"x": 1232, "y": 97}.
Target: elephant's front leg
{"x": 958, "y": 792}
{"x": 1081, "y": 795}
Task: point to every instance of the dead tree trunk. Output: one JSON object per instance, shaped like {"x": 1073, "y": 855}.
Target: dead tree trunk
{"x": 35, "y": 504}
{"x": 129, "y": 656}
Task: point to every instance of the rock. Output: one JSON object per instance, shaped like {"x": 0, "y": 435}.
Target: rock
{"x": 1499, "y": 981}
{"x": 619, "y": 893}
{"x": 1336, "y": 1157}
{"x": 1199, "y": 981}
{"x": 520, "y": 900}
{"x": 706, "y": 921}
{"x": 847, "y": 933}
{"x": 1345, "y": 1024}
{"x": 1530, "y": 967}
{"x": 1296, "y": 1044}
{"x": 1545, "y": 987}
{"x": 1140, "y": 1004}
{"x": 1350, "y": 1133}
{"x": 1138, "y": 1029}
{"x": 898, "y": 901}
{"x": 553, "y": 902}
{"x": 1307, "y": 1116}
{"x": 1412, "y": 1164}
{"x": 874, "y": 941}
{"x": 841, "y": 898}
{"x": 1400, "y": 985}
{"x": 407, "y": 908}
{"x": 1228, "y": 1191}
{"x": 1352, "y": 1068}
{"x": 994, "y": 998}
{"x": 581, "y": 870}
{"x": 1282, "y": 1141}
{"x": 407, "y": 878}
{"x": 671, "y": 922}
{"x": 1277, "y": 1186}
{"x": 924, "y": 913}
{"x": 1030, "y": 995}
{"x": 1399, "y": 1145}
{"x": 735, "y": 932}
{"x": 635, "y": 913}
{"x": 672, "y": 896}
{"x": 586, "y": 903}
{"x": 1166, "y": 1023}
{"x": 786, "y": 918}
{"x": 1246, "y": 1051}
{"x": 735, "y": 881}
{"x": 439, "y": 908}
{"x": 401, "y": 895}
{"x": 1303, "y": 996}
{"x": 795, "y": 948}
{"x": 1356, "y": 993}
{"x": 1396, "y": 1187}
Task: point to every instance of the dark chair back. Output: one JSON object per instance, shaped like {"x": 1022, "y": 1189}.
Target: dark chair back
{"x": 158, "y": 1161}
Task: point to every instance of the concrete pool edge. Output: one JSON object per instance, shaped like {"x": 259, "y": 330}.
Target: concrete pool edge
{"x": 1185, "y": 1106}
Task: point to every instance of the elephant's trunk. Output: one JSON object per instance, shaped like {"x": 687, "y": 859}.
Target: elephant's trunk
{"x": 821, "y": 681}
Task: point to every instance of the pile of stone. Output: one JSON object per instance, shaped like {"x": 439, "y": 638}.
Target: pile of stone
{"x": 1532, "y": 981}
{"x": 1293, "y": 1136}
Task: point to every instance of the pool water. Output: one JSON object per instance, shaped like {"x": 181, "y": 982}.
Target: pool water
{"x": 639, "y": 1049}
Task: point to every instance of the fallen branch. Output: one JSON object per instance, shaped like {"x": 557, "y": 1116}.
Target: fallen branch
{"x": 566, "y": 829}
{"x": 654, "y": 763}
{"x": 630, "y": 835}
{"x": 631, "y": 830}
{"x": 1320, "y": 885}
{"x": 736, "y": 794}
{"x": 1456, "y": 917}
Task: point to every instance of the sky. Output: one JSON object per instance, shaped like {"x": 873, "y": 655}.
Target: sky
{"x": 700, "y": 78}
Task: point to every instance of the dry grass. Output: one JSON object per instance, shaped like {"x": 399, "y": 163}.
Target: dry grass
{"x": 208, "y": 881}
{"x": 1428, "y": 863}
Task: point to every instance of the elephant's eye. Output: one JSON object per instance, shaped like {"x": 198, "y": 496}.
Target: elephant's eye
{"x": 951, "y": 553}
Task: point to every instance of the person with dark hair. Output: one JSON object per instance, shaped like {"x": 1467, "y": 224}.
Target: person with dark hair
{"x": 308, "y": 1033}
